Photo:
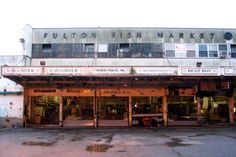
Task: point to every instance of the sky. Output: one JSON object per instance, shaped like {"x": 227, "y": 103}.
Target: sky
{"x": 14, "y": 14}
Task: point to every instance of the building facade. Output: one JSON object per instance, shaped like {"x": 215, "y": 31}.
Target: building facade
{"x": 127, "y": 76}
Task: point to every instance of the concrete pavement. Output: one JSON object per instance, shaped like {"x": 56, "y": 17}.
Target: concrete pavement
{"x": 117, "y": 142}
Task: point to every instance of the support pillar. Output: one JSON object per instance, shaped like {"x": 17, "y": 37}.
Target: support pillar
{"x": 165, "y": 110}
{"x": 61, "y": 112}
{"x": 231, "y": 110}
{"x": 199, "y": 110}
{"x": 130, "y": 112}
{"x": 95, "y": 111}
{"x": 29, "y": 107}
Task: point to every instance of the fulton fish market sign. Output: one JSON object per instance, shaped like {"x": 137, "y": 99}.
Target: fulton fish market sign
{"x": 134, "y": 35}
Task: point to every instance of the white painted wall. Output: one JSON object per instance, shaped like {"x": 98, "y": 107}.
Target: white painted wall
{"x": 11, "y": 106}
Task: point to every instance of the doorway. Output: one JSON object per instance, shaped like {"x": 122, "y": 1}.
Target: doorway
{"x": 78, "y": 111}
{"x": 113, "y": 111}
{"x": 215, "y": 110}
{"x": 45, "y": 110}
{"x": 147, "y": 111}
{"x": 182, "y": 110}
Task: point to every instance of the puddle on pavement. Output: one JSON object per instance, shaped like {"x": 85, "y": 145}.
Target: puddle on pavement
{"x": 76, "y": 138}
{"x": 98, "y": 140}
{"x": 38, "y": 143}
{"x": 176, "y": 143}
{"x": 60, "y": 137}
{"x": 105, "y": 139}
{"x": 233, "y": 137}
{"x": 109, "y": 138}
{"x": 198, "y": 135}
{"x": 121, "y": 151}
{"x": 98, "y": 147}
{"x": 41, "y": 138}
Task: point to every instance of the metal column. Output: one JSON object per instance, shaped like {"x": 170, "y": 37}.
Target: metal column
{"x": 95, "y": 111}
{"x": 61, "y": 112}
{"x": 165, "y": 110}
{"x": 130, "y": 112}
{"x": 231, "y": 110}
{"x": 199, "y": 110}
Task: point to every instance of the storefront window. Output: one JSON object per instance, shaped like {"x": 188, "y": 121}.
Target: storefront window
{"x": 146, "y": 105}
{"x": 45, "y": 110}
{"x": 214, "y": 110}
{"x": 147, "y": 111}
{"x": 78, "y": 108}
{"x": 113, "y": 108}
{"x": 182, "y": 108}
{"x": 234, "y": 110}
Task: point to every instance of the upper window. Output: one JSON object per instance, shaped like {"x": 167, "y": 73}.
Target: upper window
{"x": 113, "y": 50}
{"x": 62, "y": 50}
{"x": 77, "y": 50}
{"x": 36, "y": 50}
{"x": 222, "y": 47}
{"x": 47, "y": 50}
{"x": 203, "y": 52}
{"x": 124, "y": 51}
{"x": 136, "y": 50}
{"x": 233, "y": 51}
{"x": 102, "y": 50}
{"x": 131, "y": 50}
{"x": 213, "y": 52}
{"x": 89, "y": 50}
{"x": 147, "y": 50}
{"x": 191, "y": 50}
{"x": 180, "y": 50}
{"x": 223, "y": 50}
{"x": 170, "y": 50}
{"x": 157, "y": 47}
{"x": 157, "y": 50}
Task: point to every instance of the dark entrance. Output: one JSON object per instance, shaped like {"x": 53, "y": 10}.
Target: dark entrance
{"x": 45, "y": 110}
{"x": 78, "y": 111}
{"x": 113, "y": 111}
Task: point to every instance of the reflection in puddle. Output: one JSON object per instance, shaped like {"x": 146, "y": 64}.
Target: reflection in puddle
{"x": 76, "y": 138}
{"x": 121, "y": 151}
{"x": 176, "y": 143}
{"x": 38, "y": 143}
{"x": 98, "y": 147}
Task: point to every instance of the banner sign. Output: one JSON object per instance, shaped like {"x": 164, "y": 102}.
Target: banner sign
{"x": 156, "y": 71}
{"x": 230, "y": 71}
{"x": 200, "y": 71}
{"x": 86, "y": 71}
{"x": 23, "y": 71}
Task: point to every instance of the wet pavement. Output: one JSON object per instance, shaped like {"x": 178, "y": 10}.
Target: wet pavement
{"x": 117, "y": 142}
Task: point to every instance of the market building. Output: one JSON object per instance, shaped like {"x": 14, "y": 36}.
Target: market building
{"x": 127, "y": 76}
